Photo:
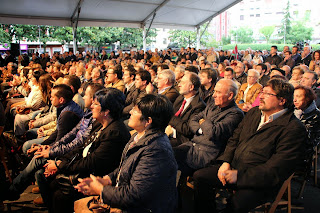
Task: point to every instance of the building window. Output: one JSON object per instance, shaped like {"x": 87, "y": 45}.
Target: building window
{"x": 241, "y": 17}
{"x": 251, "y": 15}
{"x": 279, "y": 13}
{"x": 257, "y": 15}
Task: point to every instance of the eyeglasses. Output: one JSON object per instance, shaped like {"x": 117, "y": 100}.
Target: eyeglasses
{"x": 267, "y": 94}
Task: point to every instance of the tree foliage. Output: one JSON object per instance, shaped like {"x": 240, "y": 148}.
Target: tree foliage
{"x": 93, "y": 36}
{"x": 300, "y": 32}
{"x": 4, "y": 36}
{"x": 133, "y": 37}
{"x": 186, "y": 38}
{"x": 296, "y": 30}
{"x": 267, "y": 32}
{"x": 286, "y": 22}
{"x": 242, "y": 35}
{"x": 226, "y": 40}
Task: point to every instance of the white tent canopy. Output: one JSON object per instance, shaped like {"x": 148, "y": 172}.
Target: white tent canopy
{"x": 174, "y": 14}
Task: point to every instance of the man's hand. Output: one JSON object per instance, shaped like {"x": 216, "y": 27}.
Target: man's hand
{"x": 43, "y": 152}
{"x": 19, "y": 109}
{"x": 34, "y": 148}
{"x": 222, "y": 172}
{"x": 88, "y": 185}
{"x": 31, "y": 124}
{"x": 168, "y": 130}
{"x": 231, "y": 176}
{"x": 93, "y": 185}
{"x": 40, "y": 132}
{"x": 50, "y": 168}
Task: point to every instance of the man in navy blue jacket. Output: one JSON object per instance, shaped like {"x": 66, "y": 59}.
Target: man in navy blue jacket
{"x": 69, "y": 114}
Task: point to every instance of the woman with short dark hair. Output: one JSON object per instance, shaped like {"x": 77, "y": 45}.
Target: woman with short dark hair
{"x": 146, "y": 178}
{"x": 307, "y": 112}
{"x": 99, "y": 155}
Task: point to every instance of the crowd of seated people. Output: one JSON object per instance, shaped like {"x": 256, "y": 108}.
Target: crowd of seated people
{"x": 229, "y": 121}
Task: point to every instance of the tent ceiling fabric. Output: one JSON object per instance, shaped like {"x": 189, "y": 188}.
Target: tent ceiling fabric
{"x": 176, "y": 14}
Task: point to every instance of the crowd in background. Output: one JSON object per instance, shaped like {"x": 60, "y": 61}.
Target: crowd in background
{"x": 71, "y": 115}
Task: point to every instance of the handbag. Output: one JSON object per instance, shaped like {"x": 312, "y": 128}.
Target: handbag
{"x": 92, "y": 204}
{"x": 66, "y": 182}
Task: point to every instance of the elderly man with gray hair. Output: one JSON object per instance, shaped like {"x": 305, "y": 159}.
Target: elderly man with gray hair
{"x": 212, "y": 128}
{"x": 165, "y": 82}
{"x": 249, "y": 91}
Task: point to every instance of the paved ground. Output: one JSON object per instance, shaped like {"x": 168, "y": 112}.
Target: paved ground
{"x": 308, "y": 204}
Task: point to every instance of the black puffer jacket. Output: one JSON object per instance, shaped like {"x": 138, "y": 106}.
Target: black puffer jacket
{"x": 311, "y": 120}
{"x": 147, "y": 179}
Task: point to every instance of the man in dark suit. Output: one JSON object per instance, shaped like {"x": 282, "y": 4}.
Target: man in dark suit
{"x": 212, "y": 128}
{"x": 193, "y": 54}
{"x": 263, "y": 152}
{"x": 128, "y": 77}
{"x": 165, "y": 82}
{"x": 208, "y": 78}
{"x": 186, "y": 105}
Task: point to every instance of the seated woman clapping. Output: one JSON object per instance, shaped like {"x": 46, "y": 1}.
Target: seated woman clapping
{"x": 146, "y": 178}
{"x": 99, "y": 155}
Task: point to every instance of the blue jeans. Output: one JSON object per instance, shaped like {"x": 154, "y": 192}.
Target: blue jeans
{"x": 25, "y": 178}
{"x": 27, "y": 145}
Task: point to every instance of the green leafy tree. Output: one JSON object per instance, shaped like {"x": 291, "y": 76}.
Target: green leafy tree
{"x": 17, "y": 32}
{"x": 183, "y": 38}
{"x": 133, "y": 37}
{"x": 186, "y": 38}
{"x": 5, "y": 38}
{"x": 42, "y": 33}
{"x": 300, "y": 32}
{"x": 267, "y": 32}
{"x": 226, "y": 40}
{"x": 286, "y": 28}
{"x": 243, "y": 35}
{"x": 99, "y": 36}
{"x": 64, "y": 35}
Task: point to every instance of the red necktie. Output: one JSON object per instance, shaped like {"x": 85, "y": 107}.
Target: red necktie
{"x": 178, "y": 113}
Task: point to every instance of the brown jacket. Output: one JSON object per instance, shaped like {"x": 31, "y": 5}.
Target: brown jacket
{"x": 251, "y": 95}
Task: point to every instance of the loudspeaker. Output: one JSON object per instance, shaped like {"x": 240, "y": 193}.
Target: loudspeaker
{"x": 15, "y": 49}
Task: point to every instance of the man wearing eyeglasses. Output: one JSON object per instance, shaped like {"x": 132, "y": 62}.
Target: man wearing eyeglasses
{"x": 262, "y": 153}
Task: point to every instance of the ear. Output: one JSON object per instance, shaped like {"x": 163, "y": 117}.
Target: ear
{"x": 72, "y": 88}
{"x": 282, "y": 101}
{"x": 148, "y": 122}
{"x": 231, "y": 96}
{"x": 191, "y": 87}
{"x": 106, "y": 113}
{"x": 61, "y": 100}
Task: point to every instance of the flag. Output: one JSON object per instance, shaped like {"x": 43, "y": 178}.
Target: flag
{"x": 235, "y": 52}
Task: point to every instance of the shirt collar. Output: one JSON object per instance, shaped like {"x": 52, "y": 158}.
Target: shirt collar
{"x": 271, "y": 118}
{"x": 164, "y": 89}
{"x": 128, "y": 86}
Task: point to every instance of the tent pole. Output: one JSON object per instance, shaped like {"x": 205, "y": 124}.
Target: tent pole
{"x": 198, "y": 37}
{"x": 144, "y": 38}
{"x": 74, "y": 24}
